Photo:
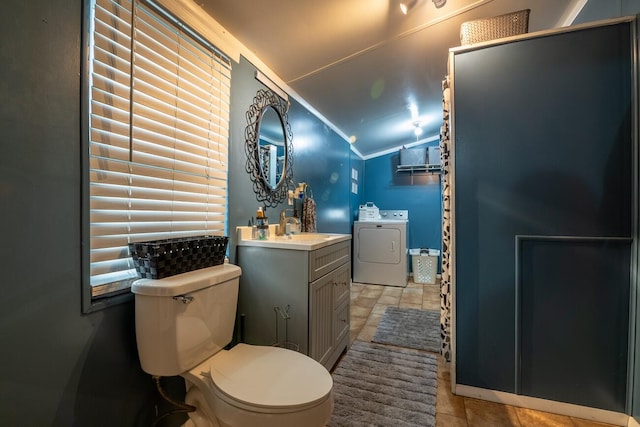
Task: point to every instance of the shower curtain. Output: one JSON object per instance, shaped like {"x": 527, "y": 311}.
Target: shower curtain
{"x": 445, "y": 283}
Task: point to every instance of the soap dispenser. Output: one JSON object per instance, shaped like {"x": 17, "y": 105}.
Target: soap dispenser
{"x": 261, "y": 230}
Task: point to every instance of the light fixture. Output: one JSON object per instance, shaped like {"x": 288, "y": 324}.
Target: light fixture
{"x": 417, "y": 129}
{"x": 406, "y": 6}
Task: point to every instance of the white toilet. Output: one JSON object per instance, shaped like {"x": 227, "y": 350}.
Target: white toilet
{"x": 183, "y": 323}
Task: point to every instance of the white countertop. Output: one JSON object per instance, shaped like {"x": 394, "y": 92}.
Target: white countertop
{"x": 299, "y": 242}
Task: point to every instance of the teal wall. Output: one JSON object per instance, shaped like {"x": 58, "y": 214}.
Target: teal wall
{"x": 321, "y": 158}
{"x": 357, "y": 198}
{"x": 57, "y": 366}
{"x": 596, "y": 10}
{"x": 419, "y": 193}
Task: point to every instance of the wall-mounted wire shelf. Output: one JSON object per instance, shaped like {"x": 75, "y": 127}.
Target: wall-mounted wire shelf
{"x": 419, "y": 168}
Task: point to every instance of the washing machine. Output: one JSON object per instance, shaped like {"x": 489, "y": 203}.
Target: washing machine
{"x": 380, "y": 249}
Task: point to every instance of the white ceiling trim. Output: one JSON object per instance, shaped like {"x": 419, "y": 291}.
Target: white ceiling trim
{"x": 356, "y": 152}
{"x": 571, "y": 13}
{"x": 395, "y": 149}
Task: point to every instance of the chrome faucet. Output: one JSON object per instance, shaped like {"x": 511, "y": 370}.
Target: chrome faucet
{"x": 284, "y": 220}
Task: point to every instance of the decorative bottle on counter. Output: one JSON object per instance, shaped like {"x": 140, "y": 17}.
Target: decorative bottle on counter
{"x": 261, "y": 229}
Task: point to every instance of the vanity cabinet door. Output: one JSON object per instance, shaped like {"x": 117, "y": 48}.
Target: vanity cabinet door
{"x": 321, "y": 338}
{"x": 329, "y": 315}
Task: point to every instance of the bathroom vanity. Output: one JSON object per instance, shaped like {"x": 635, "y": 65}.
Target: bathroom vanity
{"x": 294, "y": 292}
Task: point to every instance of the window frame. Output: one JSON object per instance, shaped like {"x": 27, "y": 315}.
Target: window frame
{"x": 89, "y": 302}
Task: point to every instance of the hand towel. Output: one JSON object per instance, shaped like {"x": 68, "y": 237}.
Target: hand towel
{"x": 309, "y": 215}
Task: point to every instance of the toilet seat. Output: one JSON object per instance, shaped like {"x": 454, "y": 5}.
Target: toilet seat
{"x": 266, "y": 379}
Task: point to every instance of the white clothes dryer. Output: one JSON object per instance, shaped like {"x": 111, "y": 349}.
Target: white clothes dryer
{"x": 380, "y": 249}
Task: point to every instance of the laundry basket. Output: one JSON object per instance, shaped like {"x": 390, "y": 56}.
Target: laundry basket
{"x": 425, "y": 265}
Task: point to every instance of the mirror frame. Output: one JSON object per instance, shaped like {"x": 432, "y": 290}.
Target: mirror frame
{"x": 264, "y": 192}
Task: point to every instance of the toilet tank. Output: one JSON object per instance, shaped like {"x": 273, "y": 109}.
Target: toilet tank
{"x": 184, "y": 319}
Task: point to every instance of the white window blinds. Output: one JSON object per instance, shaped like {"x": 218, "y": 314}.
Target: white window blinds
{"x": 159, "y": 118}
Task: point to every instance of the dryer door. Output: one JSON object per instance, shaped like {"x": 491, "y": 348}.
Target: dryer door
{"x": 379, "y": 244}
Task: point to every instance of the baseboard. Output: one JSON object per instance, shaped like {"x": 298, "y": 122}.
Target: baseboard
{"x": 633, "y": 422}
{"x": 561, "y": 408}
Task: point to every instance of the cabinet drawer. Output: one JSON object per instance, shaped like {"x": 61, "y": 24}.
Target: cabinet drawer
{"x": 322, "y": 261}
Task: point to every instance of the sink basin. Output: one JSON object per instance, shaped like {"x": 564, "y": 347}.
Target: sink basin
{"x": 304, "y": 237}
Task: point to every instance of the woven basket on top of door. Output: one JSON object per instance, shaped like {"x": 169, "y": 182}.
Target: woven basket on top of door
{"x": 497, "y": 27}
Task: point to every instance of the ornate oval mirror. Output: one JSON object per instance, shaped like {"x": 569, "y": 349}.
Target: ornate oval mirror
{"x": 268, "y": 147}
{"x": 271, "y": 147}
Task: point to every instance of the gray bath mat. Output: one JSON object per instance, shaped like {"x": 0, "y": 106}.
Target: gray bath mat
{"x": 410, "y": 327}
{"x": 379, "y": 385}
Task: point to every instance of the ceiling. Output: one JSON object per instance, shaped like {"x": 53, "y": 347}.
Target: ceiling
{"x": 361, "y": 63}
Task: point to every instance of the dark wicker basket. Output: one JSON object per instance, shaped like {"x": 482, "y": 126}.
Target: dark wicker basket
{"x": 163, "y": 258}
{"x": 507, "y": 25}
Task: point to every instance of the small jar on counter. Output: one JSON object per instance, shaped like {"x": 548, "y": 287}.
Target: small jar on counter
{"x": 260, "y": 232}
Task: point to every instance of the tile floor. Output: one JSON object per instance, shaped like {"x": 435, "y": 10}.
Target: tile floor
{"x": 368, "y": 303}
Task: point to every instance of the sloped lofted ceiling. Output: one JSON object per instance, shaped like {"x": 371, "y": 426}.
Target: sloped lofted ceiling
{"x": 361, "y": 63}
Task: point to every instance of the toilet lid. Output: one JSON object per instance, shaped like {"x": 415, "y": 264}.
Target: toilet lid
{"x": 270, "y": 377}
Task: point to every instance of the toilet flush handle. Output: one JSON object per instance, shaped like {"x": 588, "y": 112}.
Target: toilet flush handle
{"x": 185, "y": 299}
